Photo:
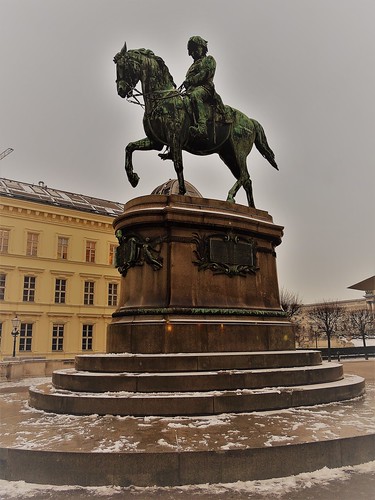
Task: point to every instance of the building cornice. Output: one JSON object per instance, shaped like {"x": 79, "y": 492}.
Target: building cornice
{"x": 4, "y": 267}
{"x": 63, "y": 263}
{"x": 34, "y": 270}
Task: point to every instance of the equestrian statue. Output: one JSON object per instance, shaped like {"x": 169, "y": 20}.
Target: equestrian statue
{"x": 192, "y": 117}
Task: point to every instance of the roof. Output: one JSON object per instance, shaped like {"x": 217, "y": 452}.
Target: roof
{"x": 366, "y": 285}
{"x": 41, "y": 193}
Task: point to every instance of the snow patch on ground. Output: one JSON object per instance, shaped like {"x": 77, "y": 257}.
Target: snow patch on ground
{"x": 280, "y": 488}
{"x": 25, "y": 382}
{"x": 277, "y": 439}
{"x": 25, "y": 427}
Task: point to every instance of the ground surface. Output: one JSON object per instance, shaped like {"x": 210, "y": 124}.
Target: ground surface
{"x": 226, "y": 431}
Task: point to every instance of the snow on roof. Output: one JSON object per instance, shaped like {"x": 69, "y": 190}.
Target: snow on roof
{"x": 41, "y": 193}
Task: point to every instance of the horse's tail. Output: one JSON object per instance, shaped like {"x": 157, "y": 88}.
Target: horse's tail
{"x": 262, "y": 145}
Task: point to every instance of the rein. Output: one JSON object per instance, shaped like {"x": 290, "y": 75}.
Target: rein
{"x": 171, "y": 93}
{"x": 135, "y": 97}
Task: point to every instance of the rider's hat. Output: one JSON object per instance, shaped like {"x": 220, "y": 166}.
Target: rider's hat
{"x": 197, "y": 40}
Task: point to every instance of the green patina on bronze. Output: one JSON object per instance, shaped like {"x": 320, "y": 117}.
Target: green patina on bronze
{"x": 191, "y": 118}
{"x": 189, "y": 311}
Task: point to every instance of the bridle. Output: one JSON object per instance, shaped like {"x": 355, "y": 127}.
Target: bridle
{"x": 156, "y": 95}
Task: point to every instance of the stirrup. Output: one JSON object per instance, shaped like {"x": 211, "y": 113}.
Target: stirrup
{"x": 198, "y": 133}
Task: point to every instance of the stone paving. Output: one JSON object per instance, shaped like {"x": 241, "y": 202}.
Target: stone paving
{"x": 24, "y": 427}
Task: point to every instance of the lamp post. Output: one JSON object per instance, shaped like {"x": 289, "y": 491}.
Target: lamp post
{"x": 16, "y": 322}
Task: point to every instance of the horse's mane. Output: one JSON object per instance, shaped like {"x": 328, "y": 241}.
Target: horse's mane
{"x": 154, "y": 58}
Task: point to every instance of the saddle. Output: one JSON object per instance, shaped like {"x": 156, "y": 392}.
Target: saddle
{"x": 219, "y": 122}
{"x": 219, "y": 119}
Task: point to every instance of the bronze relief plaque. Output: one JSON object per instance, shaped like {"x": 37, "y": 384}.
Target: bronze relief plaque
{"x": 228, "y": 254}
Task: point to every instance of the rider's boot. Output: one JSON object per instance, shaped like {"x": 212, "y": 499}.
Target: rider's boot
{"x": 228, "y": 115}
{"x": 225, "y": 111}
{"x": 199, "y": 131}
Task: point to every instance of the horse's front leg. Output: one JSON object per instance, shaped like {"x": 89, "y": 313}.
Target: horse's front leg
{"x": 145, "y": 144}
{"x": 176, "y": 154}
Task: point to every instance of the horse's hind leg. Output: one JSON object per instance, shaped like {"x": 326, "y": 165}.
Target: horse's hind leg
{"x": 236, "y": 161}
{"x": 228, "y": 155}
{"x": 145, "y": 144}
{"x": 233, "y": 191}
{"x": 244, "y": 181}
{"x": 248, "y": 187}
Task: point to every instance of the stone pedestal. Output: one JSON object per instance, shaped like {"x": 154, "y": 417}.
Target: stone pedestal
{"x": 199, "y": 329}
{"x": 199, "y": 275}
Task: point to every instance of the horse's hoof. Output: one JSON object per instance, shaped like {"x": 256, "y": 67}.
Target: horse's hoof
{"x": 231, "y": 200}
{"x": 134, "y": 179}
{"x": 165, "y": 156}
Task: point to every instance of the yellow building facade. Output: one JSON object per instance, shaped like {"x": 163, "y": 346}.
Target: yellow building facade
{"x": 56, "y": 270}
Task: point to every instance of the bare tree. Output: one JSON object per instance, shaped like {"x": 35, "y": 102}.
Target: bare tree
{"x": 326, "y": 318}
{"x": 361, "y": 321}
{"x": 290, "y": 302}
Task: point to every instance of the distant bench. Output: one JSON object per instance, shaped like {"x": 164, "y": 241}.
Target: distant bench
{"x": 348, "y": 352}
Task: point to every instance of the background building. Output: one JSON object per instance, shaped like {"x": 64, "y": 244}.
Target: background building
{"x": 56, "y": 270}
{"x": 307, "y": 334}
{"x": 367, "y": 286}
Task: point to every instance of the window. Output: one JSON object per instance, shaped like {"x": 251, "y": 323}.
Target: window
{"x": 112, "y": 294}
{"x": 1, "y": 333}
{"x": 112, "y": 253}
{"x": 4, "y": 240}
{"x": 2, "y": 286}
{"x": 88, "y": 295}
{"x": 90, "y": 251}
{"x": 26, "y": 336}
{"x": 62, "y": 247}
{"x": 29, "y": 288}
{"x": 57, "y": 337}
{"x": 60, "y": 291}
{"x": 32, "y": 244}
{"x": 87, "y": 331}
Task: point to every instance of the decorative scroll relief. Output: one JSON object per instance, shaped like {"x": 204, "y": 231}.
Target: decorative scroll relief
{"x": 135, "y": 250}
{"x": 228, "y": 254}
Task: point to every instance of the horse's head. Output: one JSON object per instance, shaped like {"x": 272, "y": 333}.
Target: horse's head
{"x": 128, "y": 72}
{"x": 144, "y": 65}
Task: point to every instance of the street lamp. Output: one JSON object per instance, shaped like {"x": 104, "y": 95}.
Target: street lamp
{"x": 16, "y": 322}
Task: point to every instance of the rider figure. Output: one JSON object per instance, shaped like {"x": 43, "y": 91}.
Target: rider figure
{"x": 199, "y": 85}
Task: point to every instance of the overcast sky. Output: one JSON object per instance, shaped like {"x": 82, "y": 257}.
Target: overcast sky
{"x": 303, "y": 68}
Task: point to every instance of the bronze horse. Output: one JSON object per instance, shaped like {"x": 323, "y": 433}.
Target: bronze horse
{"x": 167, "y": 120}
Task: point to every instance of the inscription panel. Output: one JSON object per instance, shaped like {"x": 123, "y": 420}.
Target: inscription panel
{"x": 227, "y": 254}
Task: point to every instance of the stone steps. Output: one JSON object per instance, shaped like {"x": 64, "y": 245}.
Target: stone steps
{"x": 48, "y": 398}
{"x": 194, "y": 383}
{"x": 129, "y": 362}
{"x": 84, "y": 381}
